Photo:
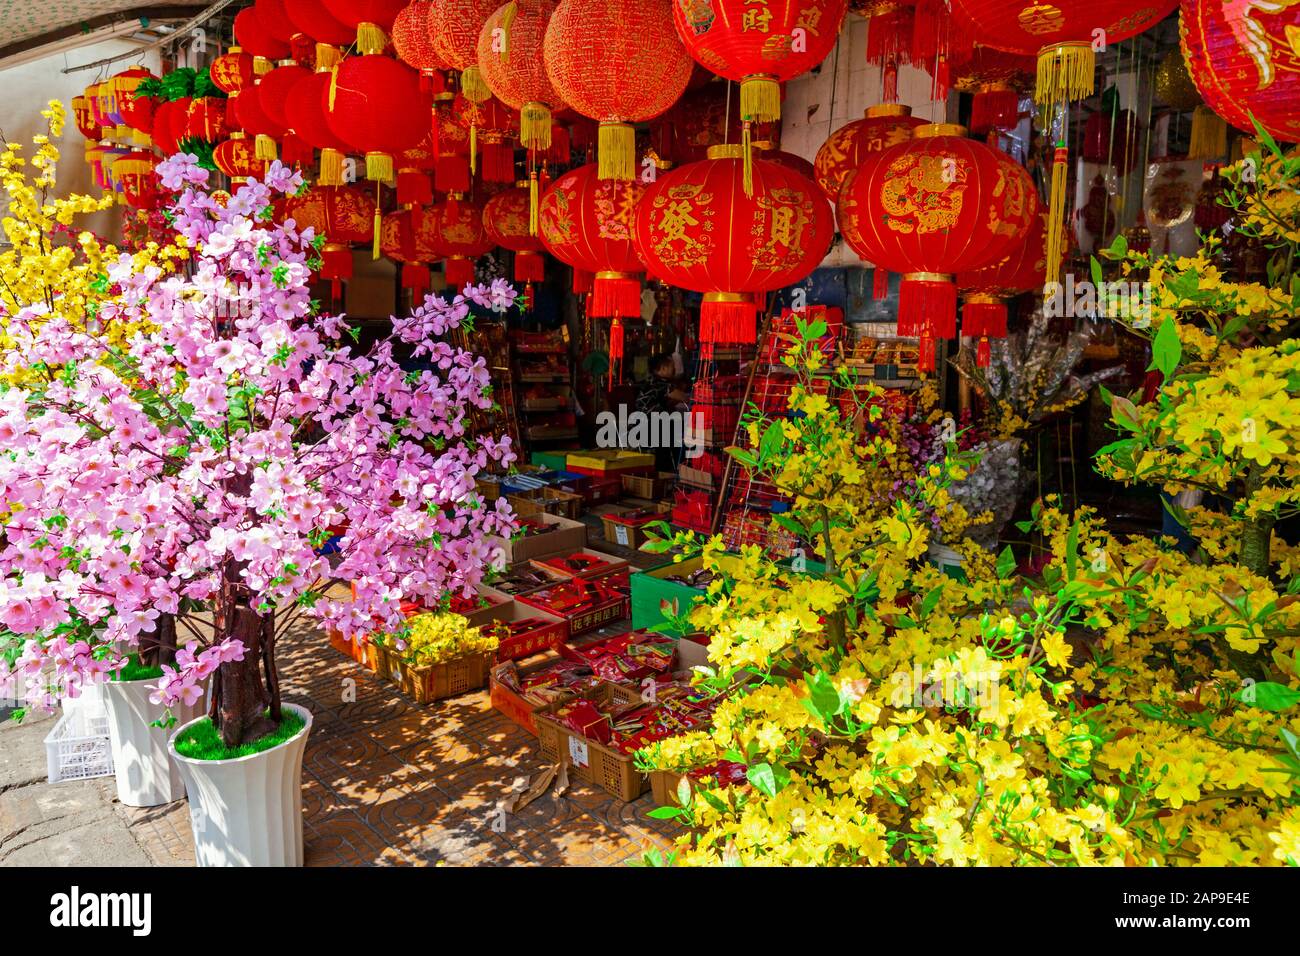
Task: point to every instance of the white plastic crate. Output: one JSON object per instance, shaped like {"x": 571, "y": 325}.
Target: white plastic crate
{"x": 77, "y": 748}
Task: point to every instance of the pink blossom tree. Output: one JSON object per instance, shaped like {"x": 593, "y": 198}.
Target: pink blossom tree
{"x": 187, "y": 484}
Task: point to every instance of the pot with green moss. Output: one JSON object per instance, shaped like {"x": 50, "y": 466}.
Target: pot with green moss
{"x": 245, "y": 801}
{"x": 138, "y": 727}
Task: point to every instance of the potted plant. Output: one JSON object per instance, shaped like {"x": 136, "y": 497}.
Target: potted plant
{"x": 198, "y": 469}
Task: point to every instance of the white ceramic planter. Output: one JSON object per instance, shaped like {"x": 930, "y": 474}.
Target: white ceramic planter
{"x": 247, "y": 811}
{"x": 146, "y": 774}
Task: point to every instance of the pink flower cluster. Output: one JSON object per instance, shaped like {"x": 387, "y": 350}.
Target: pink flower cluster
{"x": 226, "y": 444}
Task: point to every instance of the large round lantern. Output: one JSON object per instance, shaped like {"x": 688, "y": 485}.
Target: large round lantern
{"x": 410, "y": 239}
{"x": 1245, "y": 61}
{"x": 882, "y": 126}
{"x": 252, "y": 36}
{"x": 936, "y": 205}
{"x": 250, "y": 117}
{"x": 371, "y": 18}
{"x": 237, "y": 157}
{"x": 413, "y": 46}
{"x": 169, "y": 121}
{"x": 487, "y": 133}
{"x": 459, "y": 237}
{"x": 274, "y": 17}
{"x": 510, "y": 59}
{"x": 273, "y": 92}
{"x": 305, "y": 108}
{"x": 233, "y": 72}
{"x": 985, "y": 290}
{"x": 134, "y": 172}
{"x": 618, "y": 62}
{"x": 376, "y": 105}
{"x": 506, "y": 218}
{"x": 344, "y": 215}
{"x": 135, "y": 112}
{"x": 454, "y": 27}
{"x": 312, "y": 18}
{"x": 698, "y": 228}
{"x": 205, "y": 120}
{"x": 759, "y": 45}
{"x": 83, "y": 116}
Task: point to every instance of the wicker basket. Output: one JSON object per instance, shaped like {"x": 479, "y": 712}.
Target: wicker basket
{"x": 606, "y": 768}
{"x": 433, "y": 682}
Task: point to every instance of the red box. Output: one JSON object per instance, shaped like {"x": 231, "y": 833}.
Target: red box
{"x": 584, "y": 604}
{"x": 609, "y": 565}
{"x": 515, "y": 647}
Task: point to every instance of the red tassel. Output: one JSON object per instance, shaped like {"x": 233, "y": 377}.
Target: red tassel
{"x": 615, "y": 295}
{"x": 879, "y": 283}
{"x": 927, "y": 303}
{"x": 994, "y": 109}
{"x": 983, "y": 353}
{"x": 984, "y": 317}
{"x": 459, "y": 272}
{"x": 559, "y": 151}
{"x": 414, "y": 188}
{"x": 728, "y": 322}
{"x": 335, "y": 261}
{"x": 415, "y": 277}
{"x": 925, "y": 353}
{"x": 582, "y": 281}
{"x": 529, "y": 267}
{"x": 616, "y": 349}
{"x": 452, "y": 174}
{"x": 498, "y": 161}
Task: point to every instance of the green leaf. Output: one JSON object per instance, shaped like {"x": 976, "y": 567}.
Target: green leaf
{"x": 665, "y": 813}
{"x": 824, "y": 699}
{"x": 1166, "y": 350}
{"x": 1125, "y": 414}
{"x": 931, "y": 600}
{"x": 1269, "y": 695}
{"x": 763, "y": 778}
{"x": 1095, "y": 268}
{"x": 1006, "y": 563}
{"x": 1118, "y": 248}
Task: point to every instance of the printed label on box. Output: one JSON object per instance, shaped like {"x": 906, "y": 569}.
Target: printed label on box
{"x": 578, "y": 752}
{"x": 620, "y": 534}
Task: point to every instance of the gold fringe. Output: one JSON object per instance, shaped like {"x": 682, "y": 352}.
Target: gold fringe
{"x": 534, "y": 203}
{"x": 327, "y": 57}
{"x": 371, "y": 38}
{"x": 262, "y": 66}
{"x": 1056, "y": 219}
{"x": 1065, "y": 73}
{"x": 535, "y": 126}
{"x": 760, "y": 99}
{"x": 473, "y": 85}
{"x": 264, "y": 147}
{"x": 473, "y": 148}
{"x": 379, "y": 169}
{"x": 378, "y": 225}
{"x": 747, "y": 145}
{"x": 334, "y": 85}
{"x": 1209, "y": 135}
{"x": 507, "y": 21}
{"x": 331, "y": 168}
{"x": 616, "y": 146}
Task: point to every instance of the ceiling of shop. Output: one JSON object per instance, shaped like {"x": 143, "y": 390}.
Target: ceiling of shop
{"x": 29, "y": 24}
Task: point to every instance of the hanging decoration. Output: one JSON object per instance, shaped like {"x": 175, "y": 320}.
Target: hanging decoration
{"x": 698, "y": 228}
{"x": 409, "y": 239}
{"x": 344, "y": 215}
{"x": 252, "y": 36}
{"x": 274, "y": 17}
{"x": 413, "y": 46}
{"x": 618, "y": 62}
{"x": 506, "y": 219}
{"x": 134, "y": 172}
{"x": 376, "y": 105}
{"x": 372, "y": 19}
{"x": 510, "y": 59}
{"x": 985, "y": 291}
{"x": 996, "y": 80}
{"x": 305, "y": 109}
{"x": 313, "y": 19}
{"x": 485, "y": 141}
{"x": 936, "y": 205}
{"x": 456, "y": 224}
{"x": 273, "y": 92}
{"x": 237, "y": 157}
{"x": 454, "y": 27}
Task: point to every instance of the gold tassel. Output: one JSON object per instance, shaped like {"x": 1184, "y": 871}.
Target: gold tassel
{"x": 334, "y": 85}
{"x": 327, "y": 57}
{"x": 1056, "y": 219}
{"x": 379, "y": 168}
{"x": 747, "y": 144}
{"x": 374, "y": 249}
{"x": 616, "y": 151}
{"x": 371, "y": 38}
{"x": 507, "y": 21}
{"x": 760, "y": 99}
{"x": 1065, "y": 73}
{"x": 262, "y": 66}
{"x": 474, "y": 86}
{"x": 1209, "y": 135}
{"x": 473, "y": 148}
{"x": 331, "y": 168}
{"x": 264, "y": 147}
{"x": 535, "y": 126}
{"x": 534, "y": 203}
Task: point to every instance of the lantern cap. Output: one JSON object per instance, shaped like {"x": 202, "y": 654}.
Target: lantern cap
{"x": 983, "y": 298}
{"x": 928, "y": 276}
{"x": 726, "y": 151}
{"x": 887, "y": 109}
{"x": 728, "y": 297}
{"x": 612, "y": 274}
{"x": 931, "y": 130}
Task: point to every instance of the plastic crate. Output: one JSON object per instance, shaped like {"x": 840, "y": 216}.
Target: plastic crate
{"x": 613, "y": 772}
{"x": 78, "y": 748}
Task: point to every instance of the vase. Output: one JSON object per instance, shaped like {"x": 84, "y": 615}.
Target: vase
{"x": 146, "y": 774}
{"x": 247, "y": 811}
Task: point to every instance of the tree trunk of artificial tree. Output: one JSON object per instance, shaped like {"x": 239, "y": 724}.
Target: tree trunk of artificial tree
{"x": 159, "y": 649}
{"x": 1256, "y": 541}
{"x": 241, "y": 701}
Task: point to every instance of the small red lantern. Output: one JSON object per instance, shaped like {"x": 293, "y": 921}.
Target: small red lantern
{"x": 311, "y": 18}
{"x": 376, "y": 105}
{"x": 618, "y": 62}
{"x": 83, "y": 116}
{"x": 344, "y": 215}
{"x": 254, "y": 120}
{"x": 698, "y": 227}
{"x": 510, "y": 59}
{"x": 702, "y": 118}
{"x": 134, "y": 172}
{"x": 931, "y": 207}
{"x": 206, "y": 120}
{"x": 489, "y": 129}
{"x": 371, "y": 18}
{"x": 305, "y": 108}
{"x": 233, "y": 72}
{"x": 135, "y": 112}
{"x": 996, "y": 80}
{"x": 985, "y": 291}
{"x": 273, "y": 92}
{"x": 237, "y": 158}
{"x": 414, "y": 48}
{"x": 274, "y": 17}
{"x": 411, "y": 240}
{"x": 454, "y": 26}
{"x": 451, "y": 143}
{"x": 459, "y": 237}
{"x": 506, "y": 219}
{"x": 252, "y": 36}
{"x": 169, "y": 121}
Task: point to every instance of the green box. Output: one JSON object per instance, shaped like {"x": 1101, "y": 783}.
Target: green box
{"x": 551, "y": 460}
{"x": 649, "y": 589}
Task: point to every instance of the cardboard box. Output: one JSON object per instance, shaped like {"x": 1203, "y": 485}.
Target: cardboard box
{"x": 608, "y": 461}
{"x": 567, "y": 536}
{"x": 493, "y": 605}
{"x": 611, "y": 565}
{"x": 585, "y": 618}
{"x": 627, "y": 534}
{"x": 552, "y": 633}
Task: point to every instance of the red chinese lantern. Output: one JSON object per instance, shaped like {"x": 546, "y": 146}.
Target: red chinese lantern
{"x": 237, "y": 157}
{"x": 454, "y": 26}
{"x": 459, "y": 237}
{"x": 451, "y": 143}
{"x": 1111, "y": 138}
{"x": 411, "y": 240}
{"x": 305, "y": 108}
{"x": 936, "y": 205}
{"x": 252, "y": 36}
{"x": 344, "y": 215}
{"x": 371, "y": 18}
{"x": 759, "y": 45}
{"x": 311, "y": 17}
{"x": 996, "y": 80}
{"x": 206, "y": 120}
{"x": 254, "y": 120}
{"x": 510, "y": 60}
{"x": 488, "y": 132}
{"x": 1245, "y": 61}
{"x": 506, "y": 218}
{"x": 618, "y": 62}
{"x": 376, "y": 105}
{"x": 273, "y": 92}
{"x": 135, "y": 112}
{"x": 169, "y": 124}
{"x": 698, "y": 228}
{"x": 134, "y": 172}
{"x": 233, "y": 71}
{"x": 274, "y": 17}
{"x": 882, "y": 126}
{"x": 414, "y": 48}
{"x": 985, "y": 290}
{"x": 83, "y": 116}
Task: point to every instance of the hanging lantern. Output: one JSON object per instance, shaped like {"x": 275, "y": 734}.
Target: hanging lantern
{"x": 344, "y": 215}
{"x": 233, "y": 71}
{"x": 273, "y": 92}
{"x": 274, "y": 17}
{"x": 372, "y": 19}
{"x": 134, "y": 112}
{"x": 134, "y": 171}
{"x": 931, "y": 207}
{"x": 985, "y": 290}
{"x": 205, "y": 120}
{"x": 643, "y": 69}
{"x": 169, "y": 124}
{"x": 83, "y": 117}
{"x": 305, "y": 109}
{"x": 1111, "y": 138}
{"x": 1245, "y": 61}
{"x": 376, "y": 105}
{"x": 506, "y": 219}
{"x": 759, "y": 45}
{"x": 254, "y": 120}
{"x": 410, "y": 240}
{"x": 454, "y": 27}
{"x": 311, "y": 18}
{"x": 488, "y": 131}
{"x": 882, "y": 126}
{"x": 698, "y": 228}
{"x": 510, "y": 60}
{"x": 415, "y": 167}
{"x": 413, "y": 46}
{"x": 459, "y": 237}
{"x": 1173, "y": 85}
{"x": 237, "y": 158}
{"x": 451, "y": 143}
{"x": 252, "y": 36}
{"x": 996, "y": 80}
